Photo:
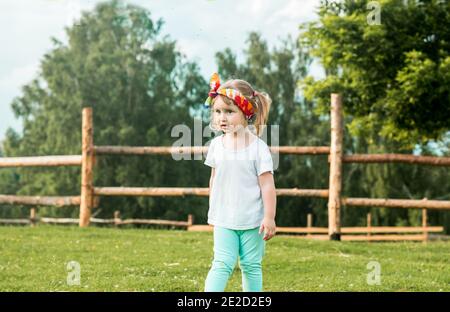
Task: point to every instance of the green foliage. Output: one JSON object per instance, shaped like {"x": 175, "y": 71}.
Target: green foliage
{"x": 422, "y": 80}
{"x": 396, "y": 71}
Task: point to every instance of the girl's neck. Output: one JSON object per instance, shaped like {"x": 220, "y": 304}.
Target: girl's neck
{"x": 240, "y": 134}
{"x": 238, "y": 140}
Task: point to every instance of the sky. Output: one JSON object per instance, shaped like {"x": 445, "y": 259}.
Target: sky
{"x": 200, "y": 27}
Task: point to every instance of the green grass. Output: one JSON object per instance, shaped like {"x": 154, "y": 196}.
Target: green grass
{"x": 35, "y": 259}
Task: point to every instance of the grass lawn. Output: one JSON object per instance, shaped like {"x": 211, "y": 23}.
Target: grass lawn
{"x": 35, "y": 259}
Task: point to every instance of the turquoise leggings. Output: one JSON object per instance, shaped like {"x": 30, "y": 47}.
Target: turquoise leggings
{"x": 228, "y": 245}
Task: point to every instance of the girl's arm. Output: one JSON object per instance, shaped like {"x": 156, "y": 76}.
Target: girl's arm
{"x": 267, "y": 185}
{"x": 211, "y": 179}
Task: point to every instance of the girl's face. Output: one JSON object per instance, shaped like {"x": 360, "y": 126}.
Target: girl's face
{"x": 229, "y": 118}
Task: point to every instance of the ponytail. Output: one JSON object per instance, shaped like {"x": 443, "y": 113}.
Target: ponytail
{"x": 263, "y": 102}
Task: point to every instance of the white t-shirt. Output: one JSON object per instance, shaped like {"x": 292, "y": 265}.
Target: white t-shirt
{"x": 235, "y": 200}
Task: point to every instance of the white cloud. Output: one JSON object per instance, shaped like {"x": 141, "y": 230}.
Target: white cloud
{"x": 192, "y": 48}
{"x": 25, "y": 30}
{"x": 10, "y": 85}
{"x": 19, "y": 76}
{"x": 294, "y": 10}
{"x": 253, "y": 8}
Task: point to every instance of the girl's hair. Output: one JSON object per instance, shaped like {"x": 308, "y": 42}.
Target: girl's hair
{"x": 260, "y": 100}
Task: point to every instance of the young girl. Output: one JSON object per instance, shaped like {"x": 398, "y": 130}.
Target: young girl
{"x": 242, "y": 190}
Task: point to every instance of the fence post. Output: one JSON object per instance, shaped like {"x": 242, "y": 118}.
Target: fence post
{"x": 369, "y": 226}
{"x": 334, "y": 197}
{"x": 117, "y": 218}
{"x": 33, "y": 217}
{"x": 190, "y": 221}
{"x": 424, "y": 225}
{"x": 87, "y": 164}
{"x": 308, "y": 224}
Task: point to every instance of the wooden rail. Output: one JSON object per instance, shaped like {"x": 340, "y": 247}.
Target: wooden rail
{"x": 58, "y": 201}
{"x": 397, "y": 203}
{"x": 40, "y": 161}
{"x": 397, "y": 158}
{"x": 33, "y": 220}
{"x": 170, "y": 150}
{"x": 197, "y": 191}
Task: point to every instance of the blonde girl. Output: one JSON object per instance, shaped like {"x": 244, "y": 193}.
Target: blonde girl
{"x": 242, "y": 202}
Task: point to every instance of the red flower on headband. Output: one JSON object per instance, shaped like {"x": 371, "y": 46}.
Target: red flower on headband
{"x": 244, "y": 105}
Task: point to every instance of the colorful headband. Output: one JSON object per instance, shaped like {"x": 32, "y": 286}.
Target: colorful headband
{"x": 245, "y": 106}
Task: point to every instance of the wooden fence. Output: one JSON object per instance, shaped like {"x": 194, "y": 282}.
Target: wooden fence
{"x": 116, "y": 220}
{"x": 367, "y": 233}
{"x": 89, "y": 193}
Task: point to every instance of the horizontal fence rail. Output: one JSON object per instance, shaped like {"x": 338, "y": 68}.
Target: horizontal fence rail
{"x": 95, "y": 220}
{"x": 170, "y": 150}
{"x": 75, "y": 160}
{"x": 198, "y": 191}
{"x": 33, "y": 220}
{"x": 344, "y": 230}
{"x": 397, "y": 158}
{"x": 58, "y": 201}
{"x": 377, "y": 238}
{"x": 397, "y": 203}
{"x": 40, "y": 161}
{"x": 150, "y": 191}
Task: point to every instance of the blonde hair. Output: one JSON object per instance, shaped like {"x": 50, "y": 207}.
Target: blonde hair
{"x": 261, "y": 101}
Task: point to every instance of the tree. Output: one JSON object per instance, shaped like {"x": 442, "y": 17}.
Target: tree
{"x": 394, "y": 75}
{"x": 394, "y": 80}
{"x": 139, "y": 86}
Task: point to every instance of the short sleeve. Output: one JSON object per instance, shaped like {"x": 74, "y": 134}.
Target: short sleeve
{"x": 264, "y": 162}
{"x": 210, "y": 161}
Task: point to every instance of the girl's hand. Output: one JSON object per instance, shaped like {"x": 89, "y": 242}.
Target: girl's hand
{"x": 269, "y": 228}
